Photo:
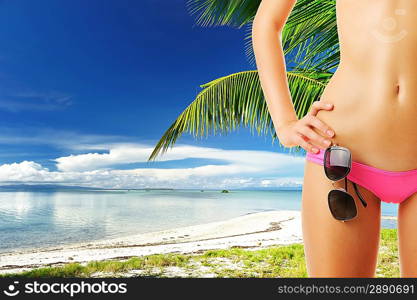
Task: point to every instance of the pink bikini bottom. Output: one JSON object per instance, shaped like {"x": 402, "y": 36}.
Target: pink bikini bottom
{"x": 388, "y": 186}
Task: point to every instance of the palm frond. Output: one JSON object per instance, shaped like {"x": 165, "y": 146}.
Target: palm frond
{"x": 224, "y": 12}
{"x": 309, "y": 38}
{"x": 237, "y": 100}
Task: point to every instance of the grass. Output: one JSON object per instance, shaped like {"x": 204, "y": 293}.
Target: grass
{"x": 280, "y": 261}
{"x": 388, "y": 262}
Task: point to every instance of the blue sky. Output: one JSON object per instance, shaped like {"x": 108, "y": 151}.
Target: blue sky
{"x": 88, "y": 88}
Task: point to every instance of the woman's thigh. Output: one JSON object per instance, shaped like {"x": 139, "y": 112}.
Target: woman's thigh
{"x": 407, "y": 225}
{"x": 334, "y": 248}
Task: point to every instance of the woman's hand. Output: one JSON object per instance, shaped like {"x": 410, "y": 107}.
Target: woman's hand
{"x": 301, "y": 133}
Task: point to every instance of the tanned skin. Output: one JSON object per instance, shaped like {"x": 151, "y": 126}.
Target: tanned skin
{"x": 373, "y": 112}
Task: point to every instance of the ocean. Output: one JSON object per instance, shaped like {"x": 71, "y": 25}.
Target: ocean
{"x": 32, "y": 219}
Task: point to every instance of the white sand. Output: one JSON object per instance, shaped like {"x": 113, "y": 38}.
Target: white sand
{"x": 253, "y": 231}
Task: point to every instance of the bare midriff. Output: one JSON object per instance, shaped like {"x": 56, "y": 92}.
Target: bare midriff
{"x": 374, "y": 90}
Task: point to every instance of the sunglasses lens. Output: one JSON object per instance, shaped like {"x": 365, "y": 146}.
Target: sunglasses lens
{"x": 342, "y": 205}
{"x": 337, "y": 163}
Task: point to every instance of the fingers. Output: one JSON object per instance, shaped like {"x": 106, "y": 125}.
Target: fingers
{"x": 317, "y": 123}
{"x": 305, "y": 145}
{"x": 319, "y": 105}
{"x": 315, "y": 133}
{"x": 314, "y": 138}
{"x": 310, "y": 132}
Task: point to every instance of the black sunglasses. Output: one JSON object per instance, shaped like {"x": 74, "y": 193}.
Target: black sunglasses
{"x": 337, "y": 164}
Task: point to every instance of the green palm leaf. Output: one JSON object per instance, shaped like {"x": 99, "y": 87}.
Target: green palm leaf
{"x": 224, "y": 12}
{"x": 309, "y": 38}
{"x": 237, "y": 100}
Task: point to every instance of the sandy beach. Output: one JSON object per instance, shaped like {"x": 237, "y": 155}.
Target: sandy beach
{"x": 252, "y": 231}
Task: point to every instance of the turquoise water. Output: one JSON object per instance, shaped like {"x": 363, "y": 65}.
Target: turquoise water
{"x": 49, "y": 218}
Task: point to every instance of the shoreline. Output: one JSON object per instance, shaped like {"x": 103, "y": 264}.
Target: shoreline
{"x": 254, "y": 231}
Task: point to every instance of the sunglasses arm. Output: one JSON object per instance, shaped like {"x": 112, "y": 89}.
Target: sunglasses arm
{"x": 359, "y": 195}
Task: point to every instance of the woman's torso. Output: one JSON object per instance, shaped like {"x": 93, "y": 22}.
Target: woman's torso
{"x": 374, "y": 89}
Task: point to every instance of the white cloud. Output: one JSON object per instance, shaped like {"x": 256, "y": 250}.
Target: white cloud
{"x": 119, "y": 154}
{"x": 238, "y": 169}
{"x": 236, "y": 161}
{"x": 24, "y": 171}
